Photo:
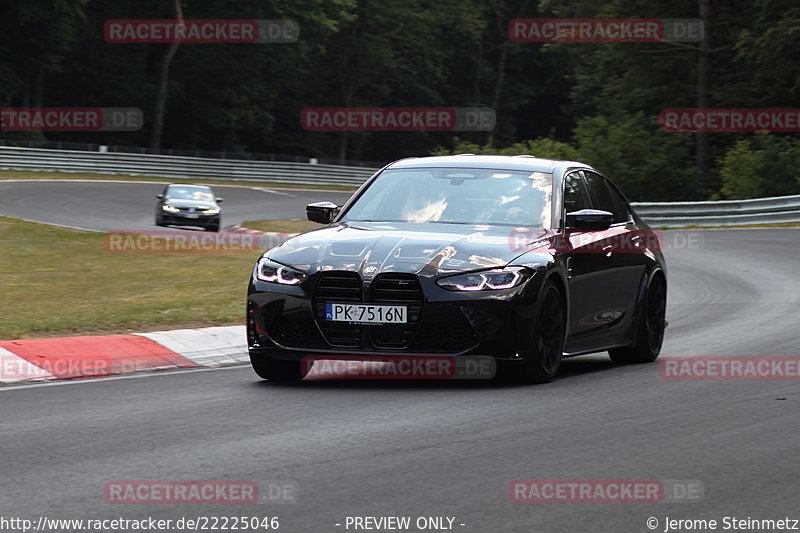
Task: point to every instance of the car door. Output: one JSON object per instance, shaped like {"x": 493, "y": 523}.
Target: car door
{"x": 589, "y": 269}
{"x": 627, "y": 251}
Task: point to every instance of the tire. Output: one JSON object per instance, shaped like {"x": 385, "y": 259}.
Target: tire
{"x": 159, "y": 222}
{"x": 542, "y": 359}
{"x": 650, "y": 330}
{"x": 277, "y": 369}
{"x": 214, "y": 228}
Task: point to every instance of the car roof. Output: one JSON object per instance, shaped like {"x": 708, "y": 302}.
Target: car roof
{"x": 533, "y": 164}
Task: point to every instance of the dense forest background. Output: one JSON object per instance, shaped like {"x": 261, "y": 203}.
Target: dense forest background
{"x": 598, "y": 103}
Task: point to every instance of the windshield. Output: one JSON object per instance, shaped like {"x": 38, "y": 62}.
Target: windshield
{"x": 185, "y": 192}
{"x": 457, "y": 196}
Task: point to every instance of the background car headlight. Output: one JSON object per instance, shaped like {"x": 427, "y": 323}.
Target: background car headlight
{"x": 272, "y": 272}
{"x": 500, "y": 278}
{"x": 170, "y": 209}
{"x": 211, "y": 211}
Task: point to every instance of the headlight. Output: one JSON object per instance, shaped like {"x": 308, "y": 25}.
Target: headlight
{"x": 272, "y": 272}
{"x": 211, "y": 211}
{"x": 500, "y": 278}
{"x": 170, "y": 209}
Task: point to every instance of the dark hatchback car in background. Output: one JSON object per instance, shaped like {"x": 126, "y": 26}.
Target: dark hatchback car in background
{"x": 522, "y": 259}
{"x": 188, "y": 205}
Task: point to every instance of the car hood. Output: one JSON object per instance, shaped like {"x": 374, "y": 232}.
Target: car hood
{"x": 426, "y": 249}
{"x": 177, "y": 202}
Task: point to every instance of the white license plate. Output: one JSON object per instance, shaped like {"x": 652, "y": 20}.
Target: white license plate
{"x": 192, "y": 215}
{"x": 370, "y": 314}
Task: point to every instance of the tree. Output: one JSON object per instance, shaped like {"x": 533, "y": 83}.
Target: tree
{"x": 761, "y": 166}
{"x": 163, "y": 81}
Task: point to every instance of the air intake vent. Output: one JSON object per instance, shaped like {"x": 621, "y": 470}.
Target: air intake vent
{"x": 339, "y": 286}
{"x": 396, "y": 288}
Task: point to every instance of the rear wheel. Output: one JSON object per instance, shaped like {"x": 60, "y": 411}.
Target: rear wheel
{"x": 650, "y": 331}
{"x": 278, "y": 369}
{"x": 542, "y": 359}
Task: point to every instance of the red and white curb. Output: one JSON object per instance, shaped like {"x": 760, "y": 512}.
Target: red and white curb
{"x": 105, "y": 355}
{"x": 266, "y": 239}
{"x": 239, "y": 229}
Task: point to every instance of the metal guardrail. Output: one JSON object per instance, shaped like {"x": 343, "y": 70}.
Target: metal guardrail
{"x": 13, "y": 158}
{"x": 239, "y": 156}
{"x": 777, "y": 209}
{"x": 780, "y": 209}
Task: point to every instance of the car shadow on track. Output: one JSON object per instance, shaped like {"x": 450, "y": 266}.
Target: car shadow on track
{"x": 570, "y": 368}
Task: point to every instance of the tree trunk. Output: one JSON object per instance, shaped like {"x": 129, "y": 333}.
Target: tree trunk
{"x": 502, "y": 25}
{"x": 703, "y": 139}
{"x": 163, "y": 82}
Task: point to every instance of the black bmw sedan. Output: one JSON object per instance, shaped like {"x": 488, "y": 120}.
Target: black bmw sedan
{"x": 522, "y": 259}
{"x": 188, "y": 205}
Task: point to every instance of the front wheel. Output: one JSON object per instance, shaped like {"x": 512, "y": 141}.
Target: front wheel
{"x": 650, "y": 332}
{"x": 542, "y": 359}
{"x": 278, "y": 369}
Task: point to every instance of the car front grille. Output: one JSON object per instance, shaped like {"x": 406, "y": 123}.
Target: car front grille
{"x": 398, "y": 289}
{"x": 385, "y": 289}
{"x": 338, "y": 287}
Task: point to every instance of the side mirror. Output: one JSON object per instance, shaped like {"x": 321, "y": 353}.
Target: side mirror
{"x": 589, "y": 219}
{"x": 322, "y": 212}
{"x": 160, "y": 196}
{"x": 219, "y": 200}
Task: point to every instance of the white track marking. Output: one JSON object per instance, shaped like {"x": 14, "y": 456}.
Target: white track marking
{"x": 14, "y": 368}
{"x": 220, "y": 345}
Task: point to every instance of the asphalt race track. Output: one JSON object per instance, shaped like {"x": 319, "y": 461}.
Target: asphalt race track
{"x": 130, "y": 206}
{"x": 376, "y": 448}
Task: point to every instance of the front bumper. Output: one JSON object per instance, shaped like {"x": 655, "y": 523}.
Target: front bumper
{"x": 186, "y": 219}
{"x": 287, "y": 322}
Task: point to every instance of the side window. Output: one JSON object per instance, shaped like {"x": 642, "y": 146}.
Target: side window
{"x": 606, "y": 197}
{"x": 576, "y": 197}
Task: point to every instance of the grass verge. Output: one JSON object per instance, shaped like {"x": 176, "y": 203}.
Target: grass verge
{"x": 281, "y": 226}
{"x": 742, "y": 226}
{"x": 33, "y": 175}
{"x": 60, "y": 282}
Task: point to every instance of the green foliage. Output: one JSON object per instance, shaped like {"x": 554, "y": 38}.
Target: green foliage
{"x": 544, "y": 147}
{"x": 764, "y": 165}
{"x": 647, "y": 163}
{"x": 592, "y": 102}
